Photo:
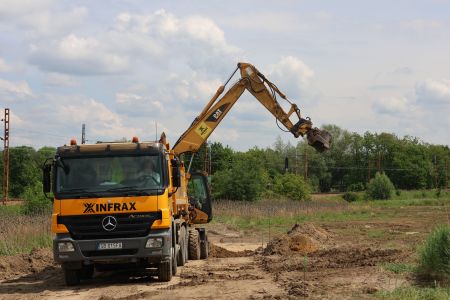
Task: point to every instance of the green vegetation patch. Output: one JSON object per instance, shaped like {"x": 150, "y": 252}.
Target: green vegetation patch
{"x": 399, "y": 268}
{"x": 416, "y": 293}
{"x": 434, "y": 255}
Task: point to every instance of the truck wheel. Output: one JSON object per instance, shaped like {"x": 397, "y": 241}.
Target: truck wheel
{"x": 165, "y": 270}
{"x": 174, "y": 261}
{"x": 194, "y": 244}
{"x": 181, "y": 257}
{"x": 72, "y": 277}
{"x": 87, "y": 272}
{"x": 204, "y": 249}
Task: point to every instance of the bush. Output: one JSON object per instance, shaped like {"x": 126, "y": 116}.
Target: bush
{"x": 380, "y": 187}
{"x": 245, "y": 180}
{"x": 292, "y": 186}
{"x": 35, "y": 200}
{"x": 434, "y": 261}
{"x": 356, "y": 187}
{"x": 350, "y": 197}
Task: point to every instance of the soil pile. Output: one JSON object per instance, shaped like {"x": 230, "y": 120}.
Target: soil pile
{"x": 220, "y": 252}
{"x": 34, "y": 262}
{"x": 302, "y": 239}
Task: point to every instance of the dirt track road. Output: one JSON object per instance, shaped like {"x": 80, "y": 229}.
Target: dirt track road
{"x": 223, "y": 278}
{"x": 341, "y": 260}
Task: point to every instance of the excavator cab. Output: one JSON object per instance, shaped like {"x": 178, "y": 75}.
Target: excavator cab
{"x": 319, "y": 139}
{"x": 200, "y": 197}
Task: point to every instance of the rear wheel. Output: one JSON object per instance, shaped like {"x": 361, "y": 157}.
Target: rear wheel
{"x": 174, "y": 260}
{"x": 72, "y": 277}
{"x": 194, "y": 244}
{"x": 181, "y": 257}
{"x": 204, "y": 249}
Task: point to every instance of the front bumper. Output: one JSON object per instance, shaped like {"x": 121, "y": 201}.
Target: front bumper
{"x": 133, "y": 249}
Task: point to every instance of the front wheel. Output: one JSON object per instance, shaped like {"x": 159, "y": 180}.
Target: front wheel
{"x": 72, "y": 277}
{"x": 165, "y": 270}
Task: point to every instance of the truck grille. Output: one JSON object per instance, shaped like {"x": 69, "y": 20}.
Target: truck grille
{"x": 128, "y": 225}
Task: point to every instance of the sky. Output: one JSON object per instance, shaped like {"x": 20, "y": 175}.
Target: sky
{"x": 120, "y": 67}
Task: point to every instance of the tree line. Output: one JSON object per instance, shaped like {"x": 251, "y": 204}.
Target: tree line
{"x": 292, "y": 171}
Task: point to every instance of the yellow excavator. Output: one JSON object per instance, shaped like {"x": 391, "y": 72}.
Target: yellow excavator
{"x": 135, "y": 204}
{"x": 266, "y": 93}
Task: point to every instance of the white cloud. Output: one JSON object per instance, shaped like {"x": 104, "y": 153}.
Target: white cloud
{"x": 60, "y": 80}
{"x": 292, "y": 76}
{"x": 10, "y": 90}
{"x": 4, "y": 67}
{"x": 78, "y": 55}
{"x": 391, "y": 105}
{"x": 47, "y": 23}
{"x": 13, "y": 9}
{"x": 194, "y": 41}
{"x": 422, "y": 25}
{"x": 433, "y": 91}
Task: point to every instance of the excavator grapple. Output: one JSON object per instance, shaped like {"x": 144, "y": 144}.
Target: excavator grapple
{"x": 319, "y": 139}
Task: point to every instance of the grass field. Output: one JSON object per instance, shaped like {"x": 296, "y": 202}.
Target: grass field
{"x": 401, "y": 223}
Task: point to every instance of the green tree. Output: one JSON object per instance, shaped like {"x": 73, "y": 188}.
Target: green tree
{"x": 292, "y": 186}
{"x": 245, "y": 180}
{"x": 380, "y": 187}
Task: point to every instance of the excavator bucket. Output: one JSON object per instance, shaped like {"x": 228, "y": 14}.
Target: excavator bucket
{"x": 319, "y": 139}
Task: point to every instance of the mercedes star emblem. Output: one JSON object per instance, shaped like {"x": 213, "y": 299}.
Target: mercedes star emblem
{"x": 109, "y": 223}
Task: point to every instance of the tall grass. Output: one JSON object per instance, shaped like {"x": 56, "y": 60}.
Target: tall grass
{"x": 434, "y": 261}
{"x": 22, "y": 233}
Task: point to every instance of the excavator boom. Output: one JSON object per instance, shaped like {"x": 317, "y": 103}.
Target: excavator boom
{"x": 266, "y": 93}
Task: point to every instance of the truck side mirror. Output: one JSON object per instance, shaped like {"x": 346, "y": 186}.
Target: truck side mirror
{"x": 46, "y": 178}
{"x": 176, "y": 176}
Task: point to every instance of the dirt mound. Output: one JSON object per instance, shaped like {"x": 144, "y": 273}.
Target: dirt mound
{"x": 34, "y": 262}
{"x": 220, "y": 252}
{"x": 302, "y": 239}
{"x": 335, "y": 258}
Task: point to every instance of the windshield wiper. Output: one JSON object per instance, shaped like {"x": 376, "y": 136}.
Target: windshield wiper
{"x": 82, "y": 191}
{"x": 134, "y": 189}
{"x": 122, "y": 189}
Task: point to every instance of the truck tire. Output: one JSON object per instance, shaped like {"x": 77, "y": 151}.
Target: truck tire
{"x": 181, "y": 257}
{"x": 87, "y": 272}
{"x": 194, "y": 245}
{"x": 174, "y": 260}
{"x": 72, "y": 277}
{"x": 204, "y": 249}
{"x": 165, "y": 270}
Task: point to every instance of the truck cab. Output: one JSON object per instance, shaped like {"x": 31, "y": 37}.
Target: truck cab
{"x": 121, "y": 204}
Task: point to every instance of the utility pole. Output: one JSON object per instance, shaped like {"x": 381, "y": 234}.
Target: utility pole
{"x": 5, "y": 139}
{"x": 305, "y": 164}
{"x": 379, "y": 162}
{"x": 83, "y": 134}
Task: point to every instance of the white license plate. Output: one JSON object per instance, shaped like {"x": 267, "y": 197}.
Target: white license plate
{"x": 107, "y": 246}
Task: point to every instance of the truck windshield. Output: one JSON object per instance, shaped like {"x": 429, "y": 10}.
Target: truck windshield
{"x": 107, "y": 176}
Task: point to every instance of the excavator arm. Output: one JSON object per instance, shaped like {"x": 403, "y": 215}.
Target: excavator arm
{"x": 266, "y": 93}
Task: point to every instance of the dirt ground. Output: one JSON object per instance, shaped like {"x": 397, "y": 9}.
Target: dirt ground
{"x": 312, "y": 260}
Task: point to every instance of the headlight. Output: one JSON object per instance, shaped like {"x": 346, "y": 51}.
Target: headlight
{"x": 65, "y": 247}
{"x": 154, "y": 242}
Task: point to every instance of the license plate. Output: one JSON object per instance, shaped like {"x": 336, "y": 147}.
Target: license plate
{"x": 108, "y": 246}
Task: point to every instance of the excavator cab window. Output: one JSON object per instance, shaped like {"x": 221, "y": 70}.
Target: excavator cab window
{"x": 199, "y": 194}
